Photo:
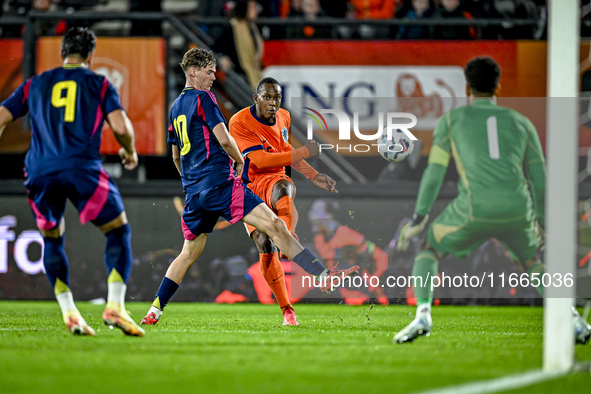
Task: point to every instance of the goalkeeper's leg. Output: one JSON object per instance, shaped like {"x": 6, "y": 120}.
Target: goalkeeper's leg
{"x": 425, "y": 267}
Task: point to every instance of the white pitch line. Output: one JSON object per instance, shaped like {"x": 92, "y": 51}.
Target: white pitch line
{"x": 498, "y": 384}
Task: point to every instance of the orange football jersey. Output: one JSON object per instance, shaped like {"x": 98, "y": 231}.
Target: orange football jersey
{"x": 253, "y": 134}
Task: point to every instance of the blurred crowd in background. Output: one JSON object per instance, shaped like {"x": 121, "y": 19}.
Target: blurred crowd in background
{"x": 309, "y": 12}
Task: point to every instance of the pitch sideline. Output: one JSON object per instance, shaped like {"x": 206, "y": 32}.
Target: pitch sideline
{"x": 498, "y": 384}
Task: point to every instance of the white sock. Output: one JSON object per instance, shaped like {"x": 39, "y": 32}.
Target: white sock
{"x": 323, "y": 274}
{"x": 66, "y": 302}
{"x": 423, "y": 309}
{"x": 156, "y": 311}
{"x": 116, "y": 294}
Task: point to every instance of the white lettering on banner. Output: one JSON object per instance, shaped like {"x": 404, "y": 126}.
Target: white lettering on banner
{"x": 21, "y": 256}
{"x": 345, "y": 125}
{"x": 5, "y": 235}
{"x": 425, "y": 91}
{"x": 21, "y": 247}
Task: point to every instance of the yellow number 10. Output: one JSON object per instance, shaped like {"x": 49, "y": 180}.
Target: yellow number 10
{"x": 69, "y": 101}
{"x": 180, "y": 127}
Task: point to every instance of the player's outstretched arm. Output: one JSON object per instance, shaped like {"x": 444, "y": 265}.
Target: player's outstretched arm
{"x": 5, "y": 118}
{"x": 325, "y": 182}
{"x": 229, "y": 145}
{"x": 313, "y": 148}
{"x": 125, "y": 136}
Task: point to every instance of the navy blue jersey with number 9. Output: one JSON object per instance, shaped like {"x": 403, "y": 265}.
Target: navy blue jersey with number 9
{"x": 67, "y": 106}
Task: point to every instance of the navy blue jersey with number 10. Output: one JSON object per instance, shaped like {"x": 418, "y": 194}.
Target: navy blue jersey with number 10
{"x": 204, "y": 163}
{"x": 67, "y": 106}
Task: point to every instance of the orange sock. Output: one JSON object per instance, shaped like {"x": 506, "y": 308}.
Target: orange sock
{"x": 287, "y": 212}
{"x": 275, "y": 277}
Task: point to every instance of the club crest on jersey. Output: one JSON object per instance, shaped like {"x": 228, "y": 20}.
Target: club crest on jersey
{"x": 284, "y": 134}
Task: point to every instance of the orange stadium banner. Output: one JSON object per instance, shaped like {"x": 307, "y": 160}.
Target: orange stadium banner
{"x": 14, "y": 139}
{"x": 136, "y": 68}
{"x": 423, "y": 72}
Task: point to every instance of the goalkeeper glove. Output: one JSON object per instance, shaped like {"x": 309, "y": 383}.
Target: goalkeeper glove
{"x": 411, "y": 229}
{"x": 540, "y": 235}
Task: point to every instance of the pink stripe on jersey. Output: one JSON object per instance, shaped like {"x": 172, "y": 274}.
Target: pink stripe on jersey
{"x": 96, "y": 203}
{"x": 206, "y": 132}
{"x": 26, "y": 90}
{"x": 211, "y": 96}
{"x": 232, "y": 172}
{"x": 237, "y": 207}
{"x": 206, "y": 135}
{"x": 42, "y": 222}
{"x": 99, "y": 110}
{"x": 189, "y": 236}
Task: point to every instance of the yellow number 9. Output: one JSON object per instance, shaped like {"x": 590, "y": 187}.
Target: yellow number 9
{"x": 69, "y": 101}
{"x": 180, "y": 127}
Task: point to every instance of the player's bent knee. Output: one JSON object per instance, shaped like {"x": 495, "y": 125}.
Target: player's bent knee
{"x": 192, "y": 249}
{"x": 282, "y": 188}
{"x": 279, "y": 226}
{"x": 56, "y": 232}
{"x": 263, "y": 242}
{"x": 274, "y": 227}
{"x": 119, "y": 221}
{"x": 121, "y": 231}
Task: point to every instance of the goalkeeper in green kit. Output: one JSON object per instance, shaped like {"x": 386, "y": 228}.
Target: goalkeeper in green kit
{"x": 502, "y": 177}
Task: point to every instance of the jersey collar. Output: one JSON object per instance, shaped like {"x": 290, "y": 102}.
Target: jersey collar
{"x": 482, "y": 101}
{"x": 254, "y": 115}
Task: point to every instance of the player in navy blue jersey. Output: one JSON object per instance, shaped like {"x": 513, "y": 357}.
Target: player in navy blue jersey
{"x": 203, "y": 150}
{"x": 68, "y": 106}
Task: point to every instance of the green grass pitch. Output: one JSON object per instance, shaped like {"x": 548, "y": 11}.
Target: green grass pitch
{"x": 213, "y": 348}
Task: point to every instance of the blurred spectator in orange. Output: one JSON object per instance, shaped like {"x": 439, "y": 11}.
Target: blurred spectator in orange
{"x": 452, "y": 9}
{"x": 338, "y": 243}
{"x": 373, "y": 9}
{"x": 376, "y": 10}
{"x": 289, "y": 8}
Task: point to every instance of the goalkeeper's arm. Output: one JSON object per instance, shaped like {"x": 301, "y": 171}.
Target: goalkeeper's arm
{"x": 431, "y": 181}
{"x": 429, "y": 189}
{"x": 535, "y": 166}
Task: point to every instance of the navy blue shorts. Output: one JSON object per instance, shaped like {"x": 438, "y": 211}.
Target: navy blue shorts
{"x": 92, "y": 192}
{"x": 231, "y": 200}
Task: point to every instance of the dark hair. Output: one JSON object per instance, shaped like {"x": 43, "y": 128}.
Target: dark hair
{"x": 78, "y": 41}
{"x": 266, "y": 80}
{"x": 240, "y": 9}
{"x": 482, "y": 74}
{"x": 197, "y": 57}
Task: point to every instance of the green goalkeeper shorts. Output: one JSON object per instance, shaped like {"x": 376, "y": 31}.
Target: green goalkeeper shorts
{"x": 456, "y": 233}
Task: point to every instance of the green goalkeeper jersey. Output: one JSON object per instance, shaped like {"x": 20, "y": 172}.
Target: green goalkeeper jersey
{"x": 499, "y": 160}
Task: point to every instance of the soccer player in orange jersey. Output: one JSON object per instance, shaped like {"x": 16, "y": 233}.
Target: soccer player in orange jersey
{"x": 262, "y": 134}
